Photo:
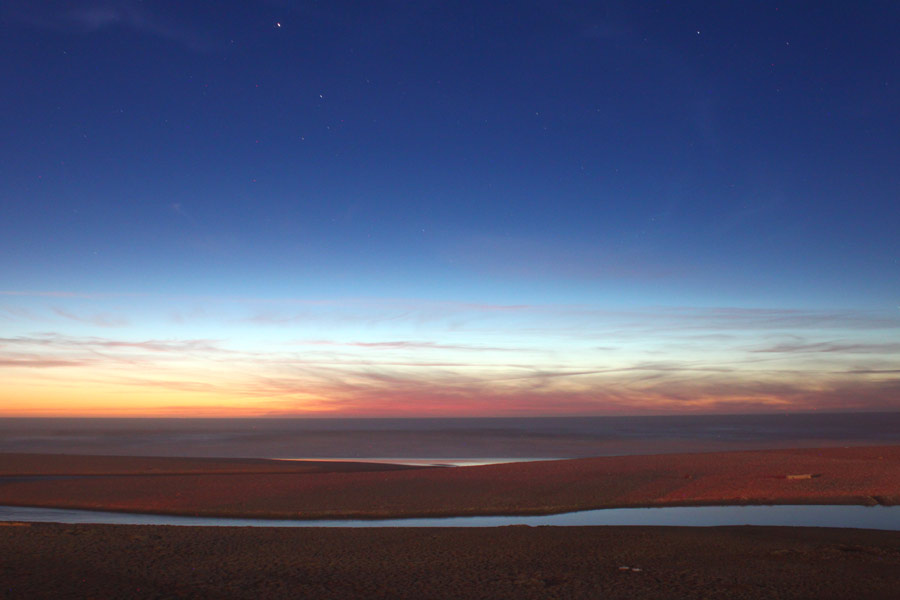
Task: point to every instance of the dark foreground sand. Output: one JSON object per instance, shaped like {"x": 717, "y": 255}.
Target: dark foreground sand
{"x": 124, "y": 561}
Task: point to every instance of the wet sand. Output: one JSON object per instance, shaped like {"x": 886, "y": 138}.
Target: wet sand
{"x": 129, "y": 561}
{"x": 276, "y": 489}
{"x": 116, "y": 561}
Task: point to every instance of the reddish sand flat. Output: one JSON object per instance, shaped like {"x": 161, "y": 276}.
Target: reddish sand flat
{"x": 861, "y": 475}
{"x": 121, "y": 561}
{"x": 63, "y": 464}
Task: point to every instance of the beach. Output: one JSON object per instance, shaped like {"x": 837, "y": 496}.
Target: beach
{"x": 320, "y": 490}
{"x": 44, "y": 560}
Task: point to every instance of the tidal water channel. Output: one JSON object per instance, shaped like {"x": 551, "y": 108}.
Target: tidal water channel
{"x": 863, "y": 517}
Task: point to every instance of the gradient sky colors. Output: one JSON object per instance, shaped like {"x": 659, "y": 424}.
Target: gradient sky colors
{"x": 448, "y": 208}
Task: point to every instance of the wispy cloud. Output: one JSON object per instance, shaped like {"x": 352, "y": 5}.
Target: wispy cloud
{"x": 726, "y": 319}
{"x": 18, "y": 313}
{"x": 394, "y": 395}
{"x": 509, "y": 359}
{"x": 141, "y": 352}
{"x": 177, "y": 385}
{"x": 634, "y": 389}
{"x": 831, "y": 347}
{"x": 101, "y": 320}
{"x": 284, "y": 383}
{"x": 39, "y": 363}
{"x": 62, "y": 341}
{"x": 147, "y": 18}
{"x": 404, "y": 345}
{"x": 702, "y": 322}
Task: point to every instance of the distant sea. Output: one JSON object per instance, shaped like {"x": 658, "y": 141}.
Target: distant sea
{"x": 552, "y": 437}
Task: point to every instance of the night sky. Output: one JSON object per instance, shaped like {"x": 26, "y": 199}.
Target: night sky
{"x": 434, "y": 208}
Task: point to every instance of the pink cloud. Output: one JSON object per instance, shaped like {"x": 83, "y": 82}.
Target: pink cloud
{"x": 39, "y": 363}
{"x": 397, "y": 394}
{"x": 404, "y": 345}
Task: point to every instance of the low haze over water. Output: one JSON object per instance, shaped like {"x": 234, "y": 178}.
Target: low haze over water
{"x": 562, "y": 437}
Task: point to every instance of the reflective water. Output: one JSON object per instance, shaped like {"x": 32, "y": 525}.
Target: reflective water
{"x": 427, "y": 462}
{"x": 865, "y": 517}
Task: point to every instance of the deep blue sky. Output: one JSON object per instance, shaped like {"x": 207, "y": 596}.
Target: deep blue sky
{"x": 607, "y": 155}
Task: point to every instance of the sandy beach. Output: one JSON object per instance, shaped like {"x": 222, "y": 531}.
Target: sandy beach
{"x": 286, "y": 489}
{"x": 112, "y": 561}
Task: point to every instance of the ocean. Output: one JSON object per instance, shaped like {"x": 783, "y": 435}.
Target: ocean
{"x": 463, "y": 438}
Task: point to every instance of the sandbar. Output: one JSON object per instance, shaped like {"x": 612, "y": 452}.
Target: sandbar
{"x": 297, "y": 490}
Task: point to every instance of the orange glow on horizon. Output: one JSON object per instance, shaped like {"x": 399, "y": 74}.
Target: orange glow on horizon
{"x": 495, "y": 372}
